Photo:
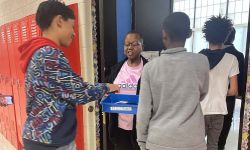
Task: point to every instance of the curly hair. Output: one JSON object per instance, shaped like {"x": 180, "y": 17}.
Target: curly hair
{"x": 216, "y": 29}
{"x": 47, "y": 10}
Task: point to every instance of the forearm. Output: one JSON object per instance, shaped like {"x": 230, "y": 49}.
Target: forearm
{"x": 232, "y": 92}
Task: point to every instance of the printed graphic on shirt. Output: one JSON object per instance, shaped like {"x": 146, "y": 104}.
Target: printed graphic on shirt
{"x": 128, "y": 78}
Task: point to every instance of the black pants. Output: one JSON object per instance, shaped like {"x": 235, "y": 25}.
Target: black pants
{"x": 227, "y": 122}
{"x": 125, "y": 141}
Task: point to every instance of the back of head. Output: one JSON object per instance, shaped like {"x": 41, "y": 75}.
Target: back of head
{"x": 230, "y": 37}
{"x": 216, "y": 29}
{"x": 47, "y": 10}
{"x": 177, "y": 25}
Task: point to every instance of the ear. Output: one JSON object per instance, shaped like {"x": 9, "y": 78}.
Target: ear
{"x": 58, "y": 20}
{"x": 142, "y": 47}
{"x": 190, "y": 33}
{"x": 165, "y": 35}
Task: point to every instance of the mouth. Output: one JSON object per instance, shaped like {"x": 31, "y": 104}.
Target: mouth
{"x": 130, "y": 53}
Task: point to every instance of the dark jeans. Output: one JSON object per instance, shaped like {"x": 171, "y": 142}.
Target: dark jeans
{"x": 125, "y": 142}
{"x": 227, "y": 122}
{"x": 213, "y": 127}
{"x": 29, "y": 145}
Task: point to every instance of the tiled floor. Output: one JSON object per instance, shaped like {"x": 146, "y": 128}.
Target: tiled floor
{"x": 232, "y": 140}
{"x": 5, "y": 145}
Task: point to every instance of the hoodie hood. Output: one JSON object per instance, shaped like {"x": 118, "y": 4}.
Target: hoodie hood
{"x": 28, "y": 48}
{"x": 214, "y": 56}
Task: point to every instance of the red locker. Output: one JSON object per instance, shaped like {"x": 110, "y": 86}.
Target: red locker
{"x": 34, "y": 30}
{"x": 20, "y": 111}
{"x": 23, "y": 37}
{"x": 12, "y": 124}
{"x": 6, "y": 86}
{"x": 14, "y": 53}
{"x": 2, "y": 119}
{"x": 24, "y": 28}
{"x": 1, "y": 64}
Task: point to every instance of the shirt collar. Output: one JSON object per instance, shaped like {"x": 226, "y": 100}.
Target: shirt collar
{"x": 174, "y": 50}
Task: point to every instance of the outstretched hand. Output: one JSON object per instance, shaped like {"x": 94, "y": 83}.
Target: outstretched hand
{"x": 114, "y": 88}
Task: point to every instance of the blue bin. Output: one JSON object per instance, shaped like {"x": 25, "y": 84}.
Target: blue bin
{"x": 120, "y": 103}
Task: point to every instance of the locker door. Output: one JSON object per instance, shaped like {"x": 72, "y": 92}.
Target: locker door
{"x": 24, "y": 28}
{"x": 34, "y": 29}
{"x": 6, "y": 84}
{"x": 23, "y": 37}
{"x": 2, "y": 119}
{"x": 16, "y": 82}
{"x": 1, "y": 68}
{"x": 20, "y": 111}
{"x": 13, "y": 78}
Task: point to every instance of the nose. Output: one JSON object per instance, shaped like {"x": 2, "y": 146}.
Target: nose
{"x": 129, "y": 46}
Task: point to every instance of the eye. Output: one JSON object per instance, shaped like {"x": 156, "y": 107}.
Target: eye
{"x": 135, "y": 44}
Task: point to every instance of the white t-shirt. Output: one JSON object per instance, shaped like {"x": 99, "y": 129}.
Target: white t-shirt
{"x": 215, "y": 100}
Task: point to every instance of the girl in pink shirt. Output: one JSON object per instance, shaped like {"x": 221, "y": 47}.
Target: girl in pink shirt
{"x": 122, "y": 131}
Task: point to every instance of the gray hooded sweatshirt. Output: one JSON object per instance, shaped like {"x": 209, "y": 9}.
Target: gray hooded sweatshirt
{"x": 169, "y": 114}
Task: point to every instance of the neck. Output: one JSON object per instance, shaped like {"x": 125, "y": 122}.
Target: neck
{"x": 134, "y": 62}
{"x": 176, "y": 44}
{"x": 50, "y": 36}
{"x": 215, "y": 46}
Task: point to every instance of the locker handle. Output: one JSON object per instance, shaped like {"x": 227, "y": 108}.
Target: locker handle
{"x": 6, "y": 100}
{"x": 18, "y": 83}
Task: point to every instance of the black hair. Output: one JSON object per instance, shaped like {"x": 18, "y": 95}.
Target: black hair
{"x": 230, "y": 37}
{"x": 47, "y": 10}
{"x": 137, "y": 33}
{"x": 177, "y": 25}
{"x": 216, "y": 29}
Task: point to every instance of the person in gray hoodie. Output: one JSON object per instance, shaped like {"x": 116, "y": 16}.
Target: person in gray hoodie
{"x": 169, "y": 113}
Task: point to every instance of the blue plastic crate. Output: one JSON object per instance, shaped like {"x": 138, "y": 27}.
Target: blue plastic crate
{"x": 120, "y": 103}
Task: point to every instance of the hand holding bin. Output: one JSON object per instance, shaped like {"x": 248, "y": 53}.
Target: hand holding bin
{"x": 120, "y": 103}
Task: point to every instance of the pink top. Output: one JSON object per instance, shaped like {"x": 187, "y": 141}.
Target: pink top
{"x": 128, "y": 78}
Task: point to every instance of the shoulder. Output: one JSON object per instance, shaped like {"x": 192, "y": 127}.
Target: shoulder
{"x": 197, "y": 58}
{"x": 48, "y": 51}
{"x": 198, "y": 61}
{"x": 151, "y": 64}
{"x": 118, "y": 65}
{"x": 230, "y": 59}
{"x": 49, "y": 54}
{"x": 230, "y": 56}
